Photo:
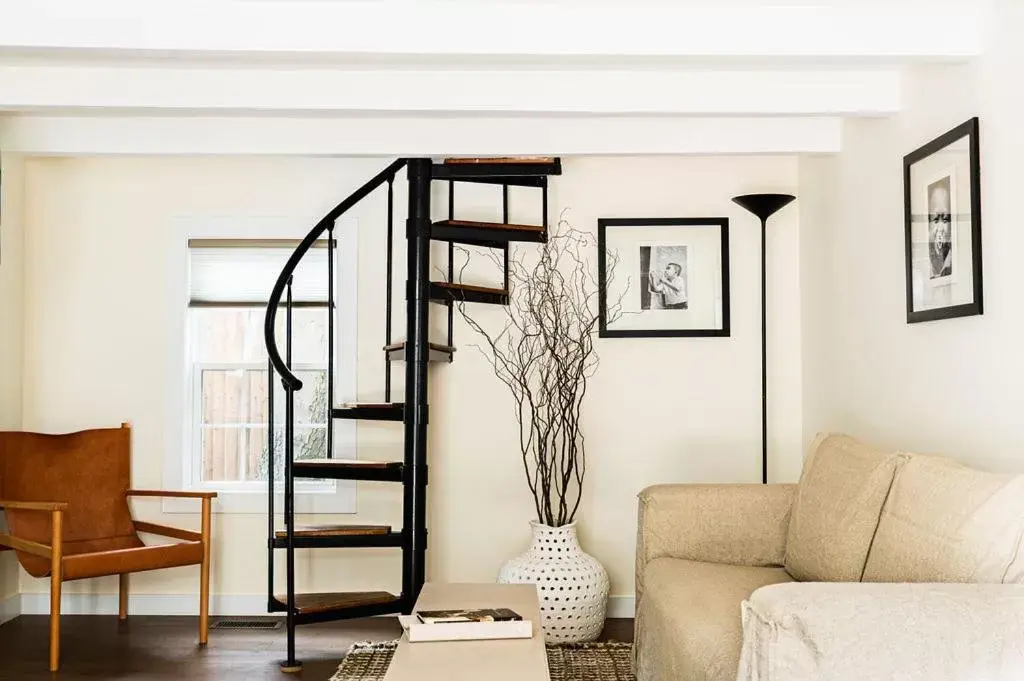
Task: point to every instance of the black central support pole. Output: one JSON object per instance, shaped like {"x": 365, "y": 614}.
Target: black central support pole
{"x": 417, "y": 328}
{"x": 764, "y": 353}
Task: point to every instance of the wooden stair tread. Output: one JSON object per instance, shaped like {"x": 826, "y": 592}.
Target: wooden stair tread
{"x": 492, "y": 225}
{"x": 335, "y": 530}
{"x": 511, "y": 160}
{"x": 326, "y": 602}
{"x": 353, "y": 463}
{"x": 469, "y": 287}
{"x": 433, "y": 346}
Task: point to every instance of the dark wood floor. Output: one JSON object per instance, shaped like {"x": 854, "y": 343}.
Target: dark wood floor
{"x": 165, "y": 648}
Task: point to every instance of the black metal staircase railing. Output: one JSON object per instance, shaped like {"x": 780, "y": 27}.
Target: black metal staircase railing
{"x": 290, "y": 380}
{"x": 387, "y": 288}
{"x": 282, "y": 367}
{"x": 416, "y": 351}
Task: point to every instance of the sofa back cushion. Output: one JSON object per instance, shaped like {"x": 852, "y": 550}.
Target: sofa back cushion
{"x": 838, "y": 501}
{"x": 944, "y": 522}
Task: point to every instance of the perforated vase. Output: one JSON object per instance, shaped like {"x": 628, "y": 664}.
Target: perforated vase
{"x": 571, "y": 585}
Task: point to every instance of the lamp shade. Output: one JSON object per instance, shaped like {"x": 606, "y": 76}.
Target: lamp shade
{"x": 763, "y": 205}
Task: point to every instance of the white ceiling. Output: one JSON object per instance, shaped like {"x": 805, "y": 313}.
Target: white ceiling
{"x": 460, "y": 28}
{"x": 791, "y": 69}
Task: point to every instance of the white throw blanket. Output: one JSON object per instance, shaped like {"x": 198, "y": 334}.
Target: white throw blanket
{"x": 883, "y": 632}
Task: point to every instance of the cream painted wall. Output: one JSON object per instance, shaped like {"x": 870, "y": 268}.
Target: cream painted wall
{"x": 819, "y": 186}
{"x": 660, "y": 410}
{"x": 11, "y": 325}
{"x": 953, "y": 386}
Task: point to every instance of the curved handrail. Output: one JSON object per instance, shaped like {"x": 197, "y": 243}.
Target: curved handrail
{"x": 290, "y": 380}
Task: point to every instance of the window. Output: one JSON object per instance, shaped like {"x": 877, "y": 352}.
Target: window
{"x": 228, "y": 378}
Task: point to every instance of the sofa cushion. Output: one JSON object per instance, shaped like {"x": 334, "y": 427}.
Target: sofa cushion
{"x": 838, "y": 501}
{"x": 944, "y": 522}
{"x": 688, "y": 622}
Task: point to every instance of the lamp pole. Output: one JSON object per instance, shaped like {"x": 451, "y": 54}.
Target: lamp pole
{"x": 764, "y": 206}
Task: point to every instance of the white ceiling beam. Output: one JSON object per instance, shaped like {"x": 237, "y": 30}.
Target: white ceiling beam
{"x": 418, "y": 136}
{"x": 275, "y": 91}
{"x": 897, "y": 28}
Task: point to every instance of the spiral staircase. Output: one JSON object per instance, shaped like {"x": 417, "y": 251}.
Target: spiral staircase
{"x": 416, "y": 352}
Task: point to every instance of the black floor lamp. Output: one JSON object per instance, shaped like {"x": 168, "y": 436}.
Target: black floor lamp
{"x": 764, "y": 206}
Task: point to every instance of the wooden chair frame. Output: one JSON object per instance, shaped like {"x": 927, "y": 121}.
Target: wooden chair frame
{"x": 55, "y": 553}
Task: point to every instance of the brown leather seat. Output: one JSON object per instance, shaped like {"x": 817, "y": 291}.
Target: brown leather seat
{"x": 66, "y": 500}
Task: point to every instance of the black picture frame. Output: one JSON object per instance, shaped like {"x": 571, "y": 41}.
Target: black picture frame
{"x": 603, "y": 226}
{"x": 970, "y": 130}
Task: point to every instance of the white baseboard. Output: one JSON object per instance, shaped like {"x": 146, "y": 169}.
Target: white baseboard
{"x": 621, "y": 606}
{"x": 10, "y": 608}
{"x": 184, "y": 604}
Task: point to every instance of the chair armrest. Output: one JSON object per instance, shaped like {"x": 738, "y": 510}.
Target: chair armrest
{"x": 34, "y": 505}
{"x": 912, "y": 632}
{"x": 32, "y": 547}
{"x": 166, "y": 531}
{"x": 19, "y": 544}
{"x": 170, "y": 494}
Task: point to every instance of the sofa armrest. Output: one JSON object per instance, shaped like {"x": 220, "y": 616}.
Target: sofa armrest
{"x": 732, "y": 524}
{"x": 735, "y": 524}
{"x": 855, "y": 631}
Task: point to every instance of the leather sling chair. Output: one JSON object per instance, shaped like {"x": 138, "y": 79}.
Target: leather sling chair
{"x": 66, "y": 500}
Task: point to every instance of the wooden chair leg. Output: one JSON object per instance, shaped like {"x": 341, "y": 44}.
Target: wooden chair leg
{"x": 204, "y": 577}
{"x": 122, "y": 593}
{"x": 56, "y": 556}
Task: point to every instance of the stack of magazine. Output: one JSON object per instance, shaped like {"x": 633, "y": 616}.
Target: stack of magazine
{"x": 465, "y": 625}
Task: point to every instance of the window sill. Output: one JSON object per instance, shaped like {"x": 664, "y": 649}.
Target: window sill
{"x": 340, "y": 500}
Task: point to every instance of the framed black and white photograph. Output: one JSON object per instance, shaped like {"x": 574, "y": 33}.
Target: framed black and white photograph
{"x": 942, "y": 224}
{"x": 664, "y": 276}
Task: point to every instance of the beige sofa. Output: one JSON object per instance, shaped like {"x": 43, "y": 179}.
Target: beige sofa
{"x": 877, "y": 565}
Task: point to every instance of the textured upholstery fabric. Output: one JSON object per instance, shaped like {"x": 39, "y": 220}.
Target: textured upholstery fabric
{"x": 729, "y": 524}
{"x": 839, "y": 499}
{"x": 904, "y": 632}
{"x": 944, "y": 522}
{"x": 89, "y": 470}
{"x": 689, "y": 628}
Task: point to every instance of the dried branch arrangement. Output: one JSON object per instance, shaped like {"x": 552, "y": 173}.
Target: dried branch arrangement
{"x": 544, "y": 353}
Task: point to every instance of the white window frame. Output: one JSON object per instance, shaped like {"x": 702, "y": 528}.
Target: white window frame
{"x": 195, "y": 409}
{"x": 180, "y": 454}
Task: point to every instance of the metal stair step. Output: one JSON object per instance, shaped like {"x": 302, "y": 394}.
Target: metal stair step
{"x": 339, "y": 536}
{"x": 459, "y": 168}
{"x": 325, "y": 607}
{"x": 349, "y": 469}
{"x": 442, "y": 292}
{"x": 371, "y": 411}
{"x": 499, "y": 160}
{"x": 336, "y": 530}
{"x": 489, "y": 234}
{"x": 438, "y": 352}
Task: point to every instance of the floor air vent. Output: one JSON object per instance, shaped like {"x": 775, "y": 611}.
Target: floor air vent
{"x": 247, "y": 624}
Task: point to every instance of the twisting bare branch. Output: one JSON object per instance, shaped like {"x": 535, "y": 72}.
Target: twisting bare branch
{"x": 544, "y": 353}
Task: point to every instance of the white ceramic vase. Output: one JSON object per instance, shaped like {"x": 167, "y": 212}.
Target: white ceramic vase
{"x": 571, "y": 585}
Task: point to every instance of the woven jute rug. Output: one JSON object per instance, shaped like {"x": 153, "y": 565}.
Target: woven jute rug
{"x": 566, "y": 662}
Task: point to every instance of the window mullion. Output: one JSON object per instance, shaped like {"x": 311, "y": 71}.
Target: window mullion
{"x": 243, "y": 464}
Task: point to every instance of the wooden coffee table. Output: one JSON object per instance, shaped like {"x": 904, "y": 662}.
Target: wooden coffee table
{"x": 503, "y": 660}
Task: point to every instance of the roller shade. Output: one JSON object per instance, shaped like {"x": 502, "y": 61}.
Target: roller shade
{"x": 240, "y": 273}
